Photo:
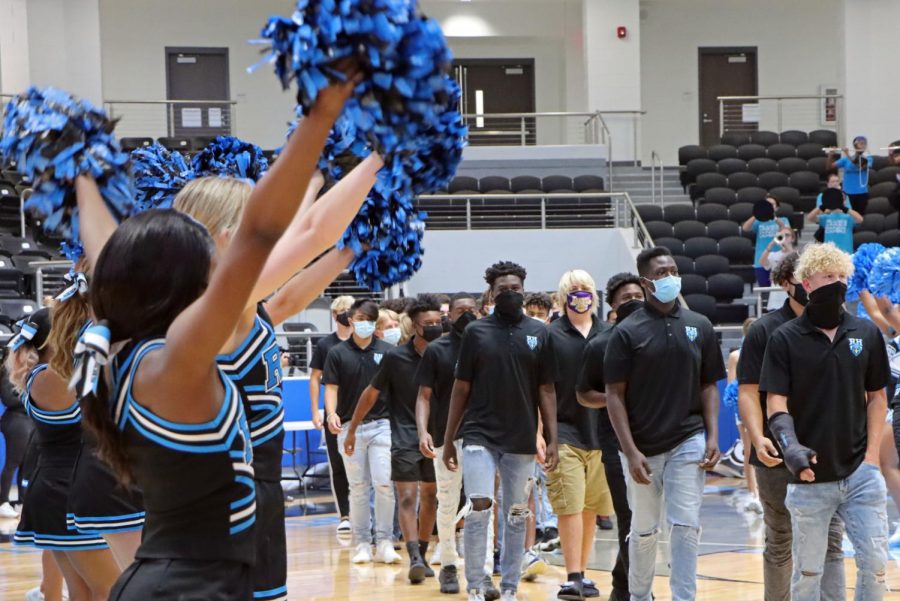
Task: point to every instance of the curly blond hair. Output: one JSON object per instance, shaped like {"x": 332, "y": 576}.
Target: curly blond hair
{"x": 823, "y": 258}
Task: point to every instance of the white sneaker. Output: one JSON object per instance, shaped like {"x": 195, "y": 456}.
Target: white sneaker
{"x": 508, "y": 596}
{"x": 894, "y": 540}
{"x": 34, "y": 594}
{"x": 753, "y": 505}
{"x": 363, "y": 553}
{"x": 8, "y": 511}
{"x": 384, "y": 553}
{"x": 476, "y": 596}
{"x": 533, "y": 565}
{"x": 344, "y": 528}
{"x": 436, "y": 555}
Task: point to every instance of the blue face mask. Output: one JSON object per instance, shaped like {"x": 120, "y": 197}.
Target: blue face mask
{"x": 667, "y": 289}
{"x": 392, "y": 336}
{"x": 364, "y": 329}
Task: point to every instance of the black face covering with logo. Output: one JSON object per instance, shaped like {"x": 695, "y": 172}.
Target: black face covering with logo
{"x": 826, "y": 305}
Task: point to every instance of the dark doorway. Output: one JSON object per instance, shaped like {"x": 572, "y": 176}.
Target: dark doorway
{"x": 498, "y": 86}
{"x": 723, "y": 72}
{"x": 198, "y": 74}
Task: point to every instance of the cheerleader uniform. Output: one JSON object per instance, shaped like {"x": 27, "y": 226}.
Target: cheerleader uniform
{"x": 58, "y": 437}
{"x": 199, "y": 496}
{"x": 255, "y": 367}
{"x": 98, "y": 502}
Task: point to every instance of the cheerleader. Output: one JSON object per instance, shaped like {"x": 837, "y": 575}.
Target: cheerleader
{"x": 166, "y": 415}
{"x": 97, "y": 503}
{"x": 84, "y": 559}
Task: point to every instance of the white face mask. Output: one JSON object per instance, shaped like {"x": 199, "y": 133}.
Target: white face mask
{"x": 392, "y": 336}
{"x": 364, "y": 329}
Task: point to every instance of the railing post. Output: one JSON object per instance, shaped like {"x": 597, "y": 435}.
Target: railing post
{"x": 543, "y": 212}
{"x": 662, "y": 184}
{"x": 468, "y": 213}
{"x": 22, "y": 214}
{"x": 522, "y": 126}
{"x": 653, "y": 177}
{"x": 721, "y": 118}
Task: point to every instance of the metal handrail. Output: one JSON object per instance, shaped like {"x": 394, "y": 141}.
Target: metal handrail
{"x": 39, "y": 275}
{"x": 654, "y": 160}
{"x": 758, "y": 290}
{"x": 723, "y": 99}
{"x": 229, "y": 102}
{"x": 607, "y": 138}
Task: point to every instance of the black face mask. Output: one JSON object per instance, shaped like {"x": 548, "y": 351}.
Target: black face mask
{"x": 508, "y": 305}
{"x": 430, "y": 333}
{"x": 445, "y": 324}
{"x": 343, "y": 318}
{"x": 799, "y": 294}
{"x": 462, "y": 321}
{"x": 826, "y": 305}
{"x": 627, "y": 308}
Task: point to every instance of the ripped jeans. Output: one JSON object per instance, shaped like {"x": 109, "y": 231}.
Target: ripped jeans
{"x": 677, "y": 480}
{"x": 516, "y": 471}
{"x": 860, "y": 501}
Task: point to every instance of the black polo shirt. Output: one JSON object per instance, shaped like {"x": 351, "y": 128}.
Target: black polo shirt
{"x": 664, "y": 359}
{"x": 436, "y": 372}
{"x": 396, "y": 380}
{"x": 320, "y": 351}
{"x": 825, "y": 383}
{"x": 576, "y": 424}
{"x": 590, "y": 377}
{"x": 750, "y": 363}
{"x": 352, "y": 369}
{"x": 505, "y": 363}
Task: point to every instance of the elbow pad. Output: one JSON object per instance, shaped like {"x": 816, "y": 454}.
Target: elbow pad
{"x": 796, "y": 456}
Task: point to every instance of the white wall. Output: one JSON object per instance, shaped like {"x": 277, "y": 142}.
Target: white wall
{"x": 872, "y": 85}
{"x": 799, "y": 48}
{"x": 14, "y": 74}
{"x": 456, "y": 260}
{"x": 135, "y": 33}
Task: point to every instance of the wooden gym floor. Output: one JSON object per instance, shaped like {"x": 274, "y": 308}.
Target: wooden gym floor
{"x": 319, "y": 568}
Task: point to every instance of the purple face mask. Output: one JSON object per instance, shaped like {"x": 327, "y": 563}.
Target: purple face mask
{"x": 580, "y": 301}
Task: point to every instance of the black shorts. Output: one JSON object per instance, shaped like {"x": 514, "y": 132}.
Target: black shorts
{"x": 183, "y": 580}
{"x": 409, "y": 465}
{"x": 270, "y": 571}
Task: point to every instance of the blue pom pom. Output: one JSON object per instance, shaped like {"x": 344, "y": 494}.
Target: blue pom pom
{"x": 53, "y": 137}
{"x": 72, "y": 251}
{"x": 730, "y": 394}
{"x": 159, "y": 175}
{"x": 231, "y": 157}
{"x": 884, "y": 279}
{"x": 863, "y": 259}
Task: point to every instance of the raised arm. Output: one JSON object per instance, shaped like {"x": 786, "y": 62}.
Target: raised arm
{"x": 95, "y": 221}
{"x": 199, "y": 333}
{"x": 748, "y": 225}
{"x": 308, "y": 285}
{"x": 317, "y": 229}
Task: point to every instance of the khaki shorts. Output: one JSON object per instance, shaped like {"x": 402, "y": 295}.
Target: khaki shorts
{"x": 579, "y": 483}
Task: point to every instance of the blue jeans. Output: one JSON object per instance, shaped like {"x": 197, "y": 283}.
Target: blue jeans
{"x": 480, "y": 464}
{"x": 860, "y": 501}
{"x": 677, "y": 479}
{"x": 370, "y": 467}
{"x": 545, "y": 517}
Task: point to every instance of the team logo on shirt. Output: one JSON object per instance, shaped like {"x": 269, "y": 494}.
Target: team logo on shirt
{"x": 856, "y": 346}
{"x": 377, "y": 357}
{"x": 532, "y": 342}
{"x": 691, "y": 332}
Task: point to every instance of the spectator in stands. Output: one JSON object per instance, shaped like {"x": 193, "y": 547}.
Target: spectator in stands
{"x": 785, "y": 241}
{"x": 349, "y": 369}
{"x": 411, "y": 472}
{"x": 343, "y": 329}
{"x": 504, "y": 376}
{"x": 825, "y": 375}
{"x": 836, "y": 220}
{"x": 772, "y": 477}
{"x": 387, "y": 327}
{"x": 856, "y": 166}
{"x": 667, "y": 424}
{"x": 766, "y": 226}
{"x": 625, "y": 295}
{"x": 17, "y": 428}
{"x": 833, "y": 182}
{"x": 577, "y": 488}
{"x": 538, "y": 306}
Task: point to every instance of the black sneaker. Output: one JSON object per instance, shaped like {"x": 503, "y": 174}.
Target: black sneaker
{"x": 429, "y": 573}
{"x": 549, "y": 535}
{"x": 416, "y": 571}
{"x": 490, "y": 591}
{"x": 449, "y": 580}
{"x": 604, "y": 523}
{"x": 589, "y": 588}
{"x": 570, "y": 591}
